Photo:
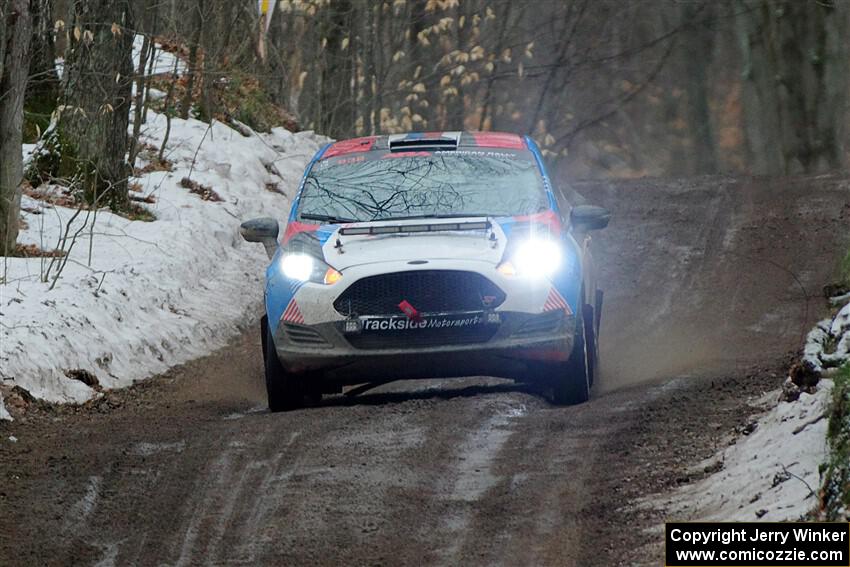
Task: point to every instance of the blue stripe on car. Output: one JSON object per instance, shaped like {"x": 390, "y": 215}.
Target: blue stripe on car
{"x": 567, "y": 281}
{"x": 279, "y": 289}
{"x": 547, "y": 183}
{"x": 294, "y": 209}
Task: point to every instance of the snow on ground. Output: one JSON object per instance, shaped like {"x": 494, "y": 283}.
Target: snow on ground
{"x": 163, "y": 61}
{"x": 770, "y": 474}
{"x": 154, "y": 294}
{"x": 828, "y": 344}
{"x": 4, "y": 414}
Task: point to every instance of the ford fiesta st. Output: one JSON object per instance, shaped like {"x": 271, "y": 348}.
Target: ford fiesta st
{"x": 428, "y": 255}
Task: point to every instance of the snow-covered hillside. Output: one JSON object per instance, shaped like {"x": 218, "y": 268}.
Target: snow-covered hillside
{"x": 137, "y": 297}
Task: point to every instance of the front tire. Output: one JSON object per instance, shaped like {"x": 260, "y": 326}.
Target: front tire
{"x": 571, "y": 379}
{"x": 283, "y": 389}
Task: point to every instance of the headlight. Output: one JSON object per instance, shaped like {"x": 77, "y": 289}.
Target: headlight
{"x": 303, "y": 267}
{"x": 297, "y": 266}
{"x": 533, "y": 258}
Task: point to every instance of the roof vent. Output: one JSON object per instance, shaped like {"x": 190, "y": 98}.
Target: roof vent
{"x": 424, "y": 141}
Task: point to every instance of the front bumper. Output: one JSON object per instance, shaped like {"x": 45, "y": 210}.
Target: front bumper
{"x": 516, "y": 343}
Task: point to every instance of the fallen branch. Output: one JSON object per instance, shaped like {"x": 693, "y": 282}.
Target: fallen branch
{"x": 789, "y": 473}
{"x": 240, "y": 127}
{"x": 812, "y": 421}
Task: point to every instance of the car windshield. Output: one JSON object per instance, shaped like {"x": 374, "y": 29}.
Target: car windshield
{"x": 385, "y": 185}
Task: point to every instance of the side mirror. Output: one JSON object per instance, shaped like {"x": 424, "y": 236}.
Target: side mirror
{"x": 589, "y": 217}
{"x": 263, "y": 230}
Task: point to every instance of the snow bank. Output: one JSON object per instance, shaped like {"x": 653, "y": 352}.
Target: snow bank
{"x": 828, "y": 344}
{"x": 769, "y": 475}
{"x": 773, "y": 474}
{"x": 4, "y": 414}
{"x": 153, "y": 294}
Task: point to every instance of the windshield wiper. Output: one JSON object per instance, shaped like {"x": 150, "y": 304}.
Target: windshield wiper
{"x": 326, "y": 218}
{"x": 436, "y": 216}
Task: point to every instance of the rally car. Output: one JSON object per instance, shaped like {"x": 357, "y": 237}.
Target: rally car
{"x": 428, "y": 255}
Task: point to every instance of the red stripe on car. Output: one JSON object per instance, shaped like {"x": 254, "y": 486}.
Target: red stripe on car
{"x": 547, "y": 217}
{"x": 294, "y": 227}
{"x": 556, "y": 301}
{"x": 353, "y": 146}
{"x": 292, "y": 314}
{"x": 498, "y": 140}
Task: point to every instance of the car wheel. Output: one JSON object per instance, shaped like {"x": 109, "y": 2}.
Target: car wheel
{"x": 571, "y": 379}
{"x": 283, "y": 389}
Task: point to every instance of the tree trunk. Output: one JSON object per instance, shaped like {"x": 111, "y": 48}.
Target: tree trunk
{"x": 697, "y": 46}
{"x": 138, "y": 101}
{"x": 15, "y": 29}
{"x": 335, "y": 94}
{"x": 795, "y": 92}
{"x": 455, "y": 108}
{"x": 186, "y": 103}
{"x": 43, "y": 85}
{"x": 97, "y": 84}
{"x": 4, "y": 30}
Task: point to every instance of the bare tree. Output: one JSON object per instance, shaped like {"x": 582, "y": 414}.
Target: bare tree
{"x": 696, "y": 46}
{"x": 194, "y": 52}
{"x": 335, "y": 100}
{"x": 606, "y": 87}
{"x": 146, "y": 24}
{"x": 15, "y": 29}
{"x": 43, "y": 83}
{"x": 796, "y": 79}
{"x": 92, "y": 127}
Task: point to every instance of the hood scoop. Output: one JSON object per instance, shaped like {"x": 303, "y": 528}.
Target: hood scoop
{"x": 446, "y": 141}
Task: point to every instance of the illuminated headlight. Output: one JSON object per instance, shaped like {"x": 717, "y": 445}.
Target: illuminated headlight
{"x": 533, "y": 258}
{"x": 303, "y": 267}
{"x": 297, "y": 266}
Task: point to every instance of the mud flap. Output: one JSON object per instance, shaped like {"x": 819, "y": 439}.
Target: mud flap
{"x": 598, "y": 311}
{"x": 264, "y": 322}
{"x": 591, "y": 349}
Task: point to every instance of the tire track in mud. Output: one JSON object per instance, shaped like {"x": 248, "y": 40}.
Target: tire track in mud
{"x": 471, "y": 470}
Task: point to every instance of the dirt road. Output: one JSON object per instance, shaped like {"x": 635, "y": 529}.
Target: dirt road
{"x": 709, "y": 283}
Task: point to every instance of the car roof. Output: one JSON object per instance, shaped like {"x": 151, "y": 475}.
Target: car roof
{"x": 417, "y": 140}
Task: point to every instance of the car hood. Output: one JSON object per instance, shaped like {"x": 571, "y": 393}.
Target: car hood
{"x": 442, "y": 241}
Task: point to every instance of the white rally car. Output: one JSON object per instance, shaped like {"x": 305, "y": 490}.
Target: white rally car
{"x": 428, "y": 255}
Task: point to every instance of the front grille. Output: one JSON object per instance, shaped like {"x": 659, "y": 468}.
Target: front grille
{"x": 422, "y": 337}
{"x": 299, "y": 334}
{"x": 429, "y": 291}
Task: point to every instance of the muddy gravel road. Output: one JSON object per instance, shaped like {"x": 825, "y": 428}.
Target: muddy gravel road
{"x": 710, "y": 283}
